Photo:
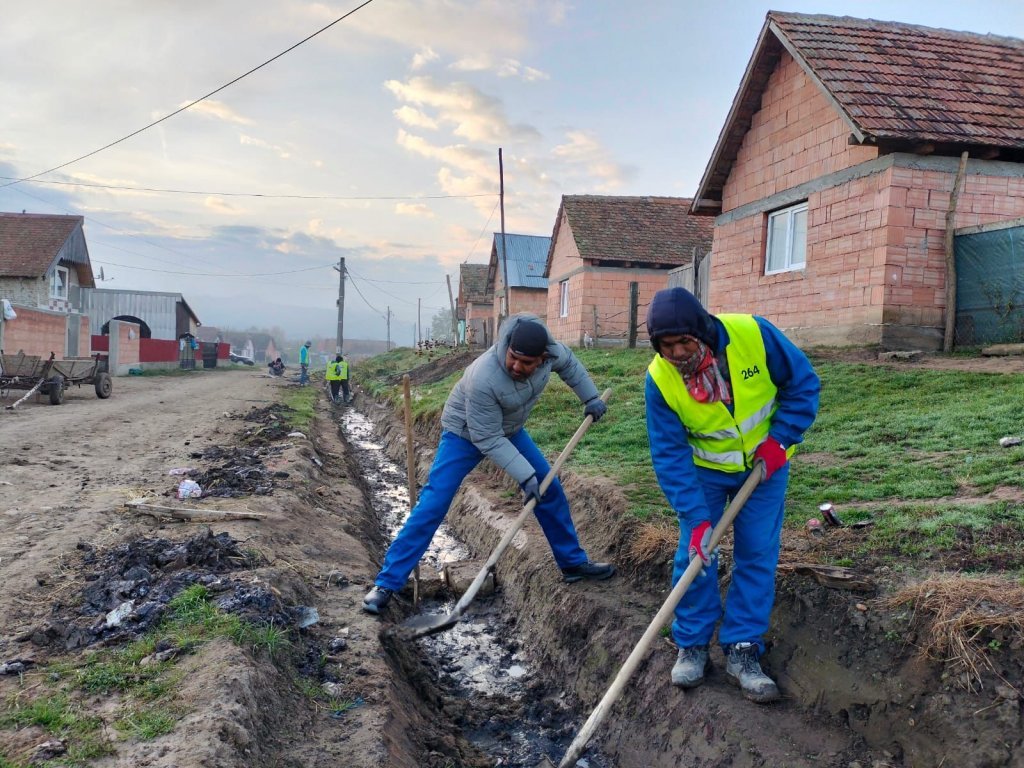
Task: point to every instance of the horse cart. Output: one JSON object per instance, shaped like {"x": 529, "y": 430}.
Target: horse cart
{"x": 52, "y": 377}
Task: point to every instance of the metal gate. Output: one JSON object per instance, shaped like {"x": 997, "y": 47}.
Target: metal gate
{"x": 187, "y": 351}
{"x": 990, "y": 284}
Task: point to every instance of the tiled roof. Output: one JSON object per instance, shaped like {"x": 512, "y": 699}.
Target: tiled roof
{"x": 473, "y": 284}
{"x": 897, "y": 85}
{"x": 527, "y": 256}
{"x": 29, "y": 242}
{"x": 637, "y": 231}
{"x": 901, "y": 81}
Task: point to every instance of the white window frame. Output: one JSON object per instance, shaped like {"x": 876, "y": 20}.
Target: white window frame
{"x": 563, "y": 298}
{"x": 55, "y": 282}
{"x": 787, "y": 247}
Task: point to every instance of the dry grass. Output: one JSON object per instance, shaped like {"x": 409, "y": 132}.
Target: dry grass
{"x": 651, "y": 541}
{"x": 962, "y": 618}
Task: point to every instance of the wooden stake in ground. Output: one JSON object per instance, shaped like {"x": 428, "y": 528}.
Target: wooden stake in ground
{"x": 947, "y": 341}
{"x": 410, "y": 470}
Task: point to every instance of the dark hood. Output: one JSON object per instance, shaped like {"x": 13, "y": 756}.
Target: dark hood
{"x": 676, "y": 311}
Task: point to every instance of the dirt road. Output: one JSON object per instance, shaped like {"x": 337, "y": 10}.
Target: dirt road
{"x": 65, "y": 474}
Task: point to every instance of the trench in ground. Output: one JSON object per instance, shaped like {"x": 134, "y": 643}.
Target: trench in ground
{"x": 480, "y": 660}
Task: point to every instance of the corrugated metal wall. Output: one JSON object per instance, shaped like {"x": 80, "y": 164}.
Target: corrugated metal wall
{"x": 158, "y": 310}
{"x": 990, "y": 287}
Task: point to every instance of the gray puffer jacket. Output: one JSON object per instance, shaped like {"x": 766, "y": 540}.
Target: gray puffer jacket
{"x": 487, "y": 404}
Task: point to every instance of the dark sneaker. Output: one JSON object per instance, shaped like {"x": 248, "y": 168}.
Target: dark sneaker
{"x": 691, "y": 664}
{"x": 588, "y": 570}
{"x": 376, "y": 599}
{"x": 742, "y": 668}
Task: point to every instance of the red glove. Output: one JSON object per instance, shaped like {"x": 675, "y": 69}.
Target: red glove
{"x": 773, "y": 453}
{"x": 700, "y": 542}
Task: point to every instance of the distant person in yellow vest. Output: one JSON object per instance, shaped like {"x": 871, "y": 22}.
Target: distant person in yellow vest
{"x": 722, "y": 392}
{"x": 337, "y": 378}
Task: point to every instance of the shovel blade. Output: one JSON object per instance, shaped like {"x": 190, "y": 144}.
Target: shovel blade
{"x": 545, "y": 763}
{"x": 426, "y": 624}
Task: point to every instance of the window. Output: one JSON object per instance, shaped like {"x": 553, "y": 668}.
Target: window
{"x": 59, "y": 283}
{"x": 563, "y": 298}
{"x": 787, "y": 240}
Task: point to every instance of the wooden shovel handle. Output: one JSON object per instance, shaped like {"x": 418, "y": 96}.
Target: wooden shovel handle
{"x": 660, "y": 618}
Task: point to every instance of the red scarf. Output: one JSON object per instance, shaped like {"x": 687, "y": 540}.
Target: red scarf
{"x": 703, "y": 379}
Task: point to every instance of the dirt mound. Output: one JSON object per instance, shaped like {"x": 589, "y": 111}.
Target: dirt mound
{"x": 438, "y": 369}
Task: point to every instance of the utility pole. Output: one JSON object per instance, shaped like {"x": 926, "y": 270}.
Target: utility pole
{"x": 455, "y": 319}
{"x": 341, "y": 305}
{"x": 389, "y": 329}
{"x": 419, "y": 323}
{"x": 504, "y": 251}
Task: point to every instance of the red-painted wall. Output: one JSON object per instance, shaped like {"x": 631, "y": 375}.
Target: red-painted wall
{"x": 158, "y": 350}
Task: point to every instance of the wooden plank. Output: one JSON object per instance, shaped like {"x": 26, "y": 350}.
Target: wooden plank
{"x": 187, "y": 514}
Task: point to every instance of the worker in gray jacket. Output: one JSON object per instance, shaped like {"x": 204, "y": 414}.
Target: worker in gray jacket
{"x": 484, "y": 416}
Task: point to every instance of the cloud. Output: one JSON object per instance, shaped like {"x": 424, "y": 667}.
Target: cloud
{"x": 414, "y": 209}
{"x": 473, "y": 115}
{"x": 219, "y": 205}
{"x": 251, "y": 141}
{"x": 414, "y": 118}
{"x": 218, "y": 110}
{"x": 584, "y": 151}
{"x": 503, "y": 68}
{"x": 422, "y": 58}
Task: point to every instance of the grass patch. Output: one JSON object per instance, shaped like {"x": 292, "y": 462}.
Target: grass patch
{"x": 146, "y": 724}
{"x": 301, "y": 402}
{"x": 903, "y": 438}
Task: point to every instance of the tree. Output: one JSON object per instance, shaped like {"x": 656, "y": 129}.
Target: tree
{"x": 441, "y": 326}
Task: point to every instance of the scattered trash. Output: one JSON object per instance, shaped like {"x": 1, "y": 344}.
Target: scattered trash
{"x": 189, "y": 489}
{"x": 1009, "y": 441}
{"x": 14, "y": 667}
{"x": 861, "y": 607}
{"x": 834, "y": 576}
{"x": 316, "y": 460}
{"x": 345, "y": 706}
{"x": 119, "y": 614}
{"x": 47, "y": 751}
{"x": 296, "y": 434}
{"x": 305, "y": 616}
{"x": 181, "y": 471}
{"x": 134, "y": 371}
{"x": 861, "y": 524}
{"x": 814, "y": 527}
{"x": 337, "y": 644}
{"x": 828, "y": 513}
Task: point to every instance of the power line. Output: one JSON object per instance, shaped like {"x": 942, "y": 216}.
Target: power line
{"x": 481, "y": 232}
{"x": 191, "y": 103}
{"x": 242, "y": 194}
{"x": 363, "y": 297}
{"x": 391, "y": 282}
{"x": 214, "y": 274}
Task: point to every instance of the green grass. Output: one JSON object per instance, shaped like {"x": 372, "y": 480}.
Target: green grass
{"x": 301, "y": 402}
{"x": 907, "y": 441}
{"x": 145, "y": 690}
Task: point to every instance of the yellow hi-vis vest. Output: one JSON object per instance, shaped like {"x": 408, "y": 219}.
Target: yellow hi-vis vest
{"x": 337, "y": 371}
{"x": 719, "y": 439}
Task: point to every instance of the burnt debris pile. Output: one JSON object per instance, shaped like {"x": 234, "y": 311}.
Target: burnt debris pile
{"x": 267, "y": 424}
{"x": 237, "y": 471}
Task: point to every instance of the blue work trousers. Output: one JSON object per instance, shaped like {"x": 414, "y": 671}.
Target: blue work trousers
{"x": 456, "y": 457}
{"x": 303, "y": 374}
{"x": 756, "y": 532}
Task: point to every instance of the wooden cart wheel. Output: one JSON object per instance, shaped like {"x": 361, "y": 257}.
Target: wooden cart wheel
{"x": 104, "y": 384}
{"x": 55, "y": 389}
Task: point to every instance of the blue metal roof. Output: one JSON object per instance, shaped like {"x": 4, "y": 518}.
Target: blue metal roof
{"x": 527, "y": 258}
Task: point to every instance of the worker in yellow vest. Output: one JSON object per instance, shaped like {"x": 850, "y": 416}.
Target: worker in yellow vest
{"x": 337, "y": 378}
{"x": 722, "y": 393}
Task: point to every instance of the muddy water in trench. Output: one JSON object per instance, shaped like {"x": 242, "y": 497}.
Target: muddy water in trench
{"x": 514, "y": 718}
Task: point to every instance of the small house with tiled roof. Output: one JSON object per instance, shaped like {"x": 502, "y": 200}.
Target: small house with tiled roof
{"x": 831, "y": 181}
{"x": 475, "y": 306}
{"x": 524, "y": 266}
{"x": 601, "y": 246}
{"x": 44, "y": 264}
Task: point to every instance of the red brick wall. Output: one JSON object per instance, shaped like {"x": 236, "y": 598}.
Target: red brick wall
{"x": 796, "y": 136}
{"x": 36, "y": 332}
{"x": 532, "y": 300}
{"x": 127, "y": 343}
{"x": 608, "y": 290}
{"x": 84, "y": 350}
{"x": 565, "y": 259}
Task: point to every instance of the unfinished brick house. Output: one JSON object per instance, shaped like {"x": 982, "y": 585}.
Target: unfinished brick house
{"x": 600, "y": 246}
{"x": 832, "y": 176}
{"x": 528, "y": 288}
{"x": 475, "y": 306}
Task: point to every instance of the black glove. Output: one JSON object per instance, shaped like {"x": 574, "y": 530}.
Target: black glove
{"x": 531, "y": 490}
{"x": 595, "y": 408}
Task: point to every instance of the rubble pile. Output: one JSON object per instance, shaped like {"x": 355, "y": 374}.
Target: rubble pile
{"x": 238, "y": 472}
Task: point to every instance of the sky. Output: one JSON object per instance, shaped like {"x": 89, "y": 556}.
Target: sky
{"x": 375, "y": 141}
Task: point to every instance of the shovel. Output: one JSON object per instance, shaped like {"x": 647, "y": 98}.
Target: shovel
{"x": 619, "y": 683}
{"x": 423, "y": 625}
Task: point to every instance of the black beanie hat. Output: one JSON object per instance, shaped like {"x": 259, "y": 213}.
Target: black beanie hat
{"x": 676, "y": 311}
{"x": 529, "y": 338}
